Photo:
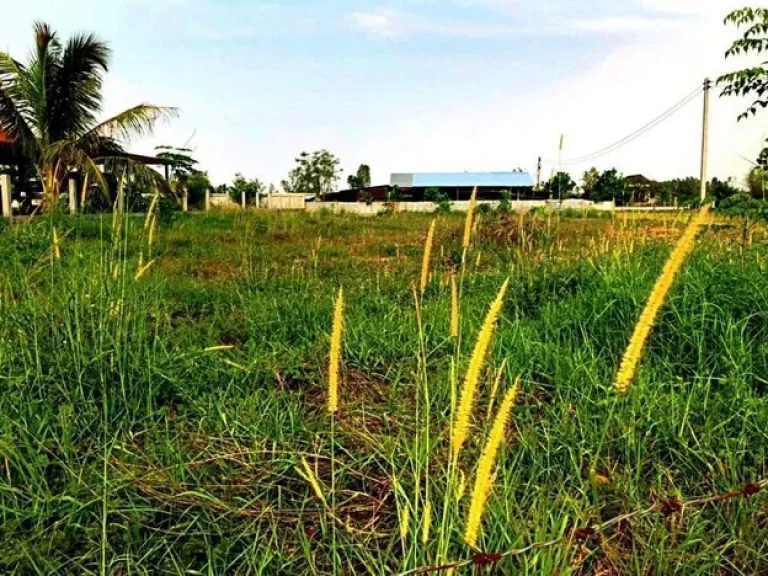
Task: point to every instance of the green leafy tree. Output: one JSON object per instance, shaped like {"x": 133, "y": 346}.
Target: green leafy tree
{"x": 182, "y": 165}
{"x": 561, "y": 185}
{"x": 750, "y": 211}
{"x": 722, "y": 189}
{"x": 610, "y": 186}
{"x": 252, "y": 188}
{"x": 687, "y": 191}
{"x": 180, "y": 160}
{"x": 196, "y": 185}
{"x": 753, "y": 80}
{"x": 49, "y": 108}
{"x": 315, "y": 174}
{"x": 361, "y": 179}
{"x": 589, "y": 181}
{"x": 505, "y": 204}
{"x": 757, "y": 182}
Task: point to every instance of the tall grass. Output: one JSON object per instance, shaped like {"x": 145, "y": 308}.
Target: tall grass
{"x": 125, "y": 447}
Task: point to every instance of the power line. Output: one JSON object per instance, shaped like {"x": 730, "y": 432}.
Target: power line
{"x": 634, "y": 135}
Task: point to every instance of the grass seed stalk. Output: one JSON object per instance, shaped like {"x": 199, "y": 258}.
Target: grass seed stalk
{"x": 674, "y": 264}
{"x": 472, "y": 377}
{"x": 485, "y": 467}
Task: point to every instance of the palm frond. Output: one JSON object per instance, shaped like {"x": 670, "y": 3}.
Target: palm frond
{"x": 131, "y": 123}
{"x": 15, "y": 110}
{"x": 135, "y": 172}
{"x": 75, "y": 92}
{"x": 65, "y": 156}
{"x": 40, "y": 73}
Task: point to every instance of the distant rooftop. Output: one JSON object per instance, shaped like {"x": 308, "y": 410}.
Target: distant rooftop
{"x": 515, "y": 179}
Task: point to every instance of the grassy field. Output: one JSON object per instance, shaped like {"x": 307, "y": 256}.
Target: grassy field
{"x": 175, "y": 423}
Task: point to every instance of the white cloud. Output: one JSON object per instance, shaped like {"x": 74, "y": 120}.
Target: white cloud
{"x": 619, "y": 25}
{"x": 623, "y": 90}
{"x": 380, "y": 22}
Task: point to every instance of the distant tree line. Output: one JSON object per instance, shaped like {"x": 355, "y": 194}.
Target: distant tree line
{"x": 611, "y": 185}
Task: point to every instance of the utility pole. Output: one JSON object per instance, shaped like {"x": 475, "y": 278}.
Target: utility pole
{"x": 538, "y": 176}
{"x": 705, "y": 139}
{"x": 559, "y": 163}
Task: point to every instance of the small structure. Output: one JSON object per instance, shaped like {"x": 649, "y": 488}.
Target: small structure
{"x": 641, "y": 190}
{"x": 458, "y": 186}
{"x": 14, "y": 167}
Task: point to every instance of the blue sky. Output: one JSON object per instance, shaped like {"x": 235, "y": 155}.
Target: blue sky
{"x": 413, "y": 84}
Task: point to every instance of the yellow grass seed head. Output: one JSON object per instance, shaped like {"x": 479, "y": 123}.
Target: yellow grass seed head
{"x": 143, "y": 270}
{"x": 454, "y": 308}
{"x": 468, "y": 221}
{"x": 212, "y": 349}
{"x": 426, "y": 522}
{"x": 152, "y": 231}
{"x": 483, "y": 479}
{"x": 405, "y": 519}
{"x": 664, "y": 283}
{"x": 151, "y": 211}
{"x": 427, "y": 257}
{"x": 469, "y": 389}
{"x": 311, "y": 478}
{"x": 335, "y": 355}
{"x": 56, "y": 249}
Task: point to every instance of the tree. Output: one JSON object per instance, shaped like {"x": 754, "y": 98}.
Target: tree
{"x": 609, "y": 187}
{"x": 362, "y": 179}
{"x": 752, "y": 80}
{"x": 560, "y": 185}
{"x": 439, "y": 197}
{"x": 315, "y": 174}
{"x": 589, "y": 181}
{"x": 252, "y": 188}
{"x": 722, "y": 189}
{"x": 196, "y": 185}
{"x": 49, "y": 108}
{"x": 181, "y": 164}
{"x": 757, "y": 182}
{"x": 179, "y": 160}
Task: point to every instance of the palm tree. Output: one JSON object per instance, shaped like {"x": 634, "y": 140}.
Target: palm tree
{"x": 50, "y": 107}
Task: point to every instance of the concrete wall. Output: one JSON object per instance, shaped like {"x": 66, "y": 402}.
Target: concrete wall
{"x": 429, "y": 207}
{"x": 296, "y": 202}
{"x": 285, "y": 202}
{"x": 223, "y": 201}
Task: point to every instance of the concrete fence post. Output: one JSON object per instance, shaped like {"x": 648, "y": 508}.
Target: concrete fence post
{"x": 185, "y": 202}
{"x": 72, "y": 188}
{"x": 5, "y": 192}
{"x": 242, "y": 199}
{"x": 207, "y": 199}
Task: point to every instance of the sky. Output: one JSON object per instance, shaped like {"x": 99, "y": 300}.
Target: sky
{"x": 417, "y": 85}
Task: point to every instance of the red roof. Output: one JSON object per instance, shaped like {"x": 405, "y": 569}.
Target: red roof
{"x": 4, "y": 139}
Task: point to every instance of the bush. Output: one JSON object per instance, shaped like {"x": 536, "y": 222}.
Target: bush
{"x": 505, "y": 205}
{"x": 484, "y": 209}
{"x": 440, "y": 198}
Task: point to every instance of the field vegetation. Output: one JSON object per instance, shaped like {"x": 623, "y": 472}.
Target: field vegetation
{"x": 166, "y": 408}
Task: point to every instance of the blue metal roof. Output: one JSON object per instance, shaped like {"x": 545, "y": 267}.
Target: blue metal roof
{"x": 465, "y": 179}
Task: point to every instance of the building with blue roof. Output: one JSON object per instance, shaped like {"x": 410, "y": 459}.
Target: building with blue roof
{"x": 499, "y": 180}
{"x": 414, "y": 186}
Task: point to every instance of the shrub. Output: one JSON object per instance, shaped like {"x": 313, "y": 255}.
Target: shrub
{"x": 440, "y": 198}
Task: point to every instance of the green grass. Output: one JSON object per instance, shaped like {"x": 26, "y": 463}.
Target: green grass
{"x": 126, "y": 449}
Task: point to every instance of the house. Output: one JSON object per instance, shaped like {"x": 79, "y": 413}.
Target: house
{"x": 20, "y": 188}
{"x": 456, "y": 185}
{"x": 641, "y": 190}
